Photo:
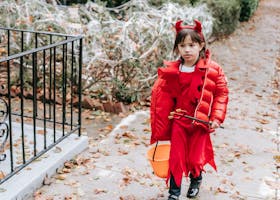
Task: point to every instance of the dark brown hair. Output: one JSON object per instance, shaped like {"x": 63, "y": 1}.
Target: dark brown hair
{"x": 195, "y": 37}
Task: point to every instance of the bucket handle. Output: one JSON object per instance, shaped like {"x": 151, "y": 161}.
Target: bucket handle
{"x": 155, "y": 151}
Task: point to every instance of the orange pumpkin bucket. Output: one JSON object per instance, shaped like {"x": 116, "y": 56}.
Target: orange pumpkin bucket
{"x": 159, "y": 159}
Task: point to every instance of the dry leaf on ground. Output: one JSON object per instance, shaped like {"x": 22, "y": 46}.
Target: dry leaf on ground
{"x": 275, "y": 185}
{"x": 99, "y": 191}
{"x": 129, "y": 197}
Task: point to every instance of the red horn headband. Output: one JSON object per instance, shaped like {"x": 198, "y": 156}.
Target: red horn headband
{"x": 197, "y": 27}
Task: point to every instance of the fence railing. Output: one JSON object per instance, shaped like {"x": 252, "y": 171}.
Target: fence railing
{"x": 40, "y": 94}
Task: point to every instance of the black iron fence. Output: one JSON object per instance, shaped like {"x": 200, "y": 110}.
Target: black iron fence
{"x": 40, "y": 94}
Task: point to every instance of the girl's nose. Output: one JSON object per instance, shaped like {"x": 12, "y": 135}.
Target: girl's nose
{"x": 186, "y": 49}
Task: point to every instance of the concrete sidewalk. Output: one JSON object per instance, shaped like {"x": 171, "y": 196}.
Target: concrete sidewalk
{"x": 118, "y": 167}
{"x": 27, "y": 180}
{"x": 244, "y": 160}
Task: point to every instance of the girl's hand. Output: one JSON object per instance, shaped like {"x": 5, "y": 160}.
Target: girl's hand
{"x": 214, "y": 125}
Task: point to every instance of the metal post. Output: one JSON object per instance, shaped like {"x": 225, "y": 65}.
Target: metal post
{"x": 80, "y": 86}
{"x": 44, "y": 98}
{"x": 9, "y": 105}
{"x": 34, "y": 73}
{"x": 54, "y": 95}
{"x": 64, "y": 76}
{"x": 22, "y": 102}
{"x": 50, "y": 81}
{"x": 72, "y": 82}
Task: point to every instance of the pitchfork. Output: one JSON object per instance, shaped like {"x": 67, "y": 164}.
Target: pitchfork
{"x": 178, "y": 113}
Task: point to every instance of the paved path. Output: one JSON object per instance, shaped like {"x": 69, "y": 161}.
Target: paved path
{"x": 116, "y": 166}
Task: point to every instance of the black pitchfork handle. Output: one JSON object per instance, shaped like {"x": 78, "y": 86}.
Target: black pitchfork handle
{"x": 196, "y": 119}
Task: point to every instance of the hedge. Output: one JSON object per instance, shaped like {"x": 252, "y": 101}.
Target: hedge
{"x": 248, "y": 7}
{"x": 226, "y": 15}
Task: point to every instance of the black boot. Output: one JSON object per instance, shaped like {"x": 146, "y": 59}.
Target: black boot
{"x": 174, "y": 190}
{"x": 194, "y": 186}
{"x": 173, "y": 197}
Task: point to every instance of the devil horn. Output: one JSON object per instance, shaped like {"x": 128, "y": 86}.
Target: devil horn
{"x": 198, "y": 26}
{"x": 178, "y": 26}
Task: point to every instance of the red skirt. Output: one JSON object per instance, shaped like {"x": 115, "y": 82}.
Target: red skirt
{"x": 191, "y": 149}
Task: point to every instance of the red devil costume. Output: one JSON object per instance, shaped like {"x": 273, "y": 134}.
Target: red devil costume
{"x": 202, "y": 94}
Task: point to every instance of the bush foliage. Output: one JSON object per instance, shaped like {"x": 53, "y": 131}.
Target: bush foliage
{"x": 124, "y": 45}
{"x": 248, "y": 7}
{"x": 226, "y": 15}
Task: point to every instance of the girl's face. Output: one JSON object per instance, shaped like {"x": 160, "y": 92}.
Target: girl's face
{"x": 189, "y": 50}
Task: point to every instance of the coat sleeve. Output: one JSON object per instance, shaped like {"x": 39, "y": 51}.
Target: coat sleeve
{"x": 162, "y": 104}
{"x": 163, "y": 97}
{"x": 220, "y": 98}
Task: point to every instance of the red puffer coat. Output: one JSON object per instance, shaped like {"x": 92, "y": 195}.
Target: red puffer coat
{"x": 211, "y": 94}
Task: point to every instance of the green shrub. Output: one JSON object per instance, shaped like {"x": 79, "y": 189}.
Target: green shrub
{"x": 226, "y": 15}
{"x": 248, "y": 7}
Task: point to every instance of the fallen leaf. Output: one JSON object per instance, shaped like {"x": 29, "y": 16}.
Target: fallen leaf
{"x": 136, "y": 143}
{"x": 70, "y": 197}
{"x": 275, "y": 185}
{"x": 41, "y": 132}
{"x": 99, "y": 191}
{"x": 220, "y": 190}
{"x": 2, "y": 175}
{"x": 66, "y": 170}
{"x": 123, "y": 152}
{"x": 81, "y": 160}
{"x": 96, "y": 155}
{"x": 277, "y": 158}
{"x": 129, "y": 135}
{"x": 229, "y": 173}
{"x": 263, "y": 121}
{"x": 57, "y": 149}
{"x": 69, "y": 164}
{"x": 85, "y": 172}
{"x": 129, "y": 197}
{"x": 60, "y": 177}
{"x": 259, "y": 129}
{"x": 37, "y": 193}
{"x": 126, "y": 180}
{"x": 147, "y": 130}
{"x": 123, "y": 127}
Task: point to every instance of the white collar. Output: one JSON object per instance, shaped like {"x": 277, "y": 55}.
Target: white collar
{"x": 184, "y": 68}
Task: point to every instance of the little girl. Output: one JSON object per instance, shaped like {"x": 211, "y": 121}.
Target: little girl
{"x": 189, "y": 101}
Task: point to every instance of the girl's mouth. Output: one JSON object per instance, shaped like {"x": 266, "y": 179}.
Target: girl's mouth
{"x": 187, "y": 55}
